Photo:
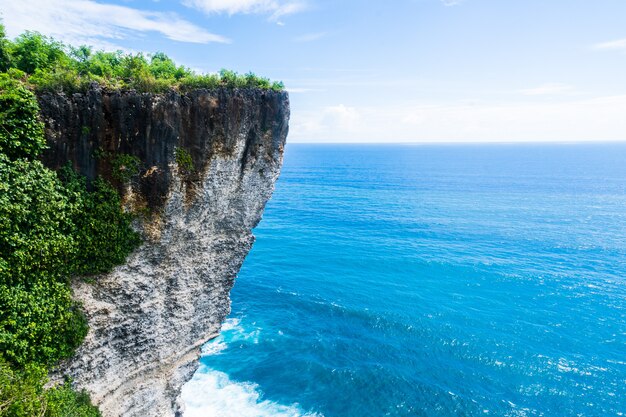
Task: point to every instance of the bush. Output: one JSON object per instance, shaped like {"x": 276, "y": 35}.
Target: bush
{"x": 63, "y": 401}
{"x": 102, "y": 232}
{"x": 125, "y": 166}
{"x": 184, "y": 161}
{"x": 192, "y": 82}
{"x": 36, "y": 223}
{"x": 21, "y": 132}
{"x": 22, "y": 394}
{"x": 42, "y": 323}
{"x": 21, "y": 391}
{"x": 62, "y": 80}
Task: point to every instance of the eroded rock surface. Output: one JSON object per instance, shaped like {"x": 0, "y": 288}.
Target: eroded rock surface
{"x": 148, "y": 318}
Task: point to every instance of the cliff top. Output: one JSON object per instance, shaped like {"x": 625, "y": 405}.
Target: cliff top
{"x": 48, "y": 65}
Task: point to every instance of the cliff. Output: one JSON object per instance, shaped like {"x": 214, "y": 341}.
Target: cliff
{"x": 149, "y": 317}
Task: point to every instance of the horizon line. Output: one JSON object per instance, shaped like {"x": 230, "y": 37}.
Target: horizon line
{"x": 553, "y": 142}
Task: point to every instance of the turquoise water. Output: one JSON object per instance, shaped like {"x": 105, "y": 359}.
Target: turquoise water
{"x": 430, "y": 281}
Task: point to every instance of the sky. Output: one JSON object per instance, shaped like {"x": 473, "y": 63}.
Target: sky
{"x": 385, "y": 71}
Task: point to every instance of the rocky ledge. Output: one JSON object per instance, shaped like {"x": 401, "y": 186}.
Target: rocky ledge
{"x": 149, "y": 317}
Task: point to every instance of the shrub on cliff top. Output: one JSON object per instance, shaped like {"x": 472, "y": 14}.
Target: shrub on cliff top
{"x": 32, "y": 51}
{"x": 52, "y": 66}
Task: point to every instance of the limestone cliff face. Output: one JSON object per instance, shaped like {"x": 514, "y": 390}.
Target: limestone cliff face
{"x": 148, "y": 318}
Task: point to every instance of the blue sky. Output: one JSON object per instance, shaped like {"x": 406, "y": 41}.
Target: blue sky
{"x": 394, "y": 71}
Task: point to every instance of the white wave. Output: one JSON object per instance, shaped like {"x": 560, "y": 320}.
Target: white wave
{"x": 214, "y": 347}
{"x": 232, "y": 324}
{"x": 211, "y": 393}
{"x": 232, "y": 330}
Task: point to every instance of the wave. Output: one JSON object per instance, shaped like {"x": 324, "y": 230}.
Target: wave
{"x": 212, "y": 393}
{"x": 232, "y": 324}
{"x": 232, "y": 330}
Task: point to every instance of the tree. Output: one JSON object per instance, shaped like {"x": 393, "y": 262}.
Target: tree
{"x": 32, "y": 51}
{"x": 5, "y": 56}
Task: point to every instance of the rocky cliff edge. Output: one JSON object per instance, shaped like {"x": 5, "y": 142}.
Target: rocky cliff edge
{"x": 204, "y": 166}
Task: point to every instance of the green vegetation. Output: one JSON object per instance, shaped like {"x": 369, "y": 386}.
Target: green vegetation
{"x": 125, "y": 166}
{"x": 51, "y": 228}
{"x": 102, "y": 232}
{"x": 22, "y": 394}
{"x": 63, "y": 401}
{"x": 184, "y": 161}
{"x": 21, "y": 132}
{"x": 21, "y": 391}
{"x": 49, "y": 65}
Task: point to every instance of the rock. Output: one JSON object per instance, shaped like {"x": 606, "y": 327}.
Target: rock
{"x": 149, "y": 317}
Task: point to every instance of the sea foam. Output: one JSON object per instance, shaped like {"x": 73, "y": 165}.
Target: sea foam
{"x": 213, "y": 394}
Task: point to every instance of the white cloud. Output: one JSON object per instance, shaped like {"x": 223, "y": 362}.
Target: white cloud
{"x": 619, "y": 44}
{"x": 600, "y": 118}
{"x": 285, "y": 10}
{"x": 548, "y": 89}
{"x": 299, "y": 90}
{"x": 275, "y": 8}
{"x": 341, "y": 117}
{"x": 310, "y": 37}
{"x": 97, "y": 24}
{"x": 451, "y": 2}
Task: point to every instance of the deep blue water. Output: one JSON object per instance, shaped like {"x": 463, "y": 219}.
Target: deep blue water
{"x": 464, "y": 280}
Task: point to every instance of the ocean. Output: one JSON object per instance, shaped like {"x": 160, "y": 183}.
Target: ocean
{"x": 430, "y": 280}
